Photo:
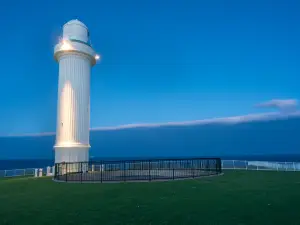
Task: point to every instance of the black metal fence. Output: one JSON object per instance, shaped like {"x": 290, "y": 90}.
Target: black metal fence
{"x": 137, "y": 170}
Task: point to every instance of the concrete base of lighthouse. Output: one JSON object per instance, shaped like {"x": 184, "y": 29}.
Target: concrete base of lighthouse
{"x": 75, "y": 158}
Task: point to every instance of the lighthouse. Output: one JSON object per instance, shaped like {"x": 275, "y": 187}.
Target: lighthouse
{"x": 75, "y": 57}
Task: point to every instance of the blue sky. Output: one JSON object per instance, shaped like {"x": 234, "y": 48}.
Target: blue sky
{"x": 161, "y": 60}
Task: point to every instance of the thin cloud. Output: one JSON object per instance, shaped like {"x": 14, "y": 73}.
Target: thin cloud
{"x": 281, "y": 104}
{"x": 29, "y": 134}
{"x": 225, "y": 120}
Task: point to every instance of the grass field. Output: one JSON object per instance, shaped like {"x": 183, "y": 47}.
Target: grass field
{"x": 236, "y": 198}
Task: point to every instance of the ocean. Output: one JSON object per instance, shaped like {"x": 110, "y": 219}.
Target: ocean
{"x": 276, "y": 140}
{"x": 42, "y": 163}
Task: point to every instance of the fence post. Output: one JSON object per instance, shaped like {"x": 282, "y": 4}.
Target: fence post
{"x": 216, "y": 166}
{"x": 40, "y": 172}
{"x": 66, "y": 172}
{"x": 124, "y": 171}
{"x": 54, "y": 171}
{"x": 149, "y": 170}
{"x": 193, "y": 169}
{"x": 48, "y": 171}
{"x": 285, "y": 166}
{"x": 220, "y": 166}
{"x": 81, "y": 172}
{"x": 35, "y": 172}
{"x": 193, "y": 172}
{"x": 294, "y": 166}
{"x": 173, "y": 174}
{"x": 101, "y": 171}
{"x": 4, "y": 173}
{"x": 233, "y": 164}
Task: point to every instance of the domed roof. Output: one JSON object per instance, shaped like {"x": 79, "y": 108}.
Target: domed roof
{"x": 76, "y": 22}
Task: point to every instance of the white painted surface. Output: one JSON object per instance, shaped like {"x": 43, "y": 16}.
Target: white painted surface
{"x": 75, "y": 47}
{"x": 71, "y": 154}
{"x": 73, "y": 107}
{"x": 73, "y": 99}
{"x": 75, "y": 29}
{"x": 48, "y": 171}
{"x": 40, "y": 172}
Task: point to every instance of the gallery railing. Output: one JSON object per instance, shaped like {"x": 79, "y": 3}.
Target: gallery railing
{"x": 137, "y": 170}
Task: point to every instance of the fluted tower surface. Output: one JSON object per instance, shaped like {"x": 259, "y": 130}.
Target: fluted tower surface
{"x": 76, "y": 58}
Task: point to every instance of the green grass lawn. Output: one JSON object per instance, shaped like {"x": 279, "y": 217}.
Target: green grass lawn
{"x": 236, "y": 198}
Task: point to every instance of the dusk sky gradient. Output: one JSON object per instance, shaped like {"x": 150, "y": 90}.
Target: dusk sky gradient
{"x": 161, "y": 61}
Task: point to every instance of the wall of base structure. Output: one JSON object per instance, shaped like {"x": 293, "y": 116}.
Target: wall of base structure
{"x": 73, "y": 111}
{"x": 71, "y": 154}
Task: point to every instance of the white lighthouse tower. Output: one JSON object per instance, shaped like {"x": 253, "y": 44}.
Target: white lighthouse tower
{"x": 75, "y": 57}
